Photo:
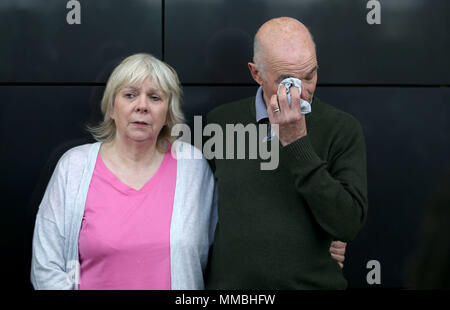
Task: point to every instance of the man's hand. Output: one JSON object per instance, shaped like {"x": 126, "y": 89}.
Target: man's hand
{"x": 337, "y": 250}
{"x": 291, "y": 121}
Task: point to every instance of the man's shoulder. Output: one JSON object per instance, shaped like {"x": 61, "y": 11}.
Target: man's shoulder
{"x": 229, "y": 112}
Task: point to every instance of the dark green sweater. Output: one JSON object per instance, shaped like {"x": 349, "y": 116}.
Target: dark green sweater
{"x": 275, "y": 226}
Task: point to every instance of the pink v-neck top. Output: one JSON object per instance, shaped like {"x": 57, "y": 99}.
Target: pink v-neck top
{"x": 124, "y": 242}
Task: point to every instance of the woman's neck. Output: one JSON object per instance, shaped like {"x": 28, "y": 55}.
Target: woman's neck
{"x": 134, "y": 155}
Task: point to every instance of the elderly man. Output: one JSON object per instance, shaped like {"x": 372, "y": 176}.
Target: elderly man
{"x": 276, "y": 226}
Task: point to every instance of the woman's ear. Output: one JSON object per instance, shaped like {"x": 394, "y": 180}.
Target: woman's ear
{"x": 166, "y": 118}
{"x": 256, "y": 73}
{"x": 111, "y": 110}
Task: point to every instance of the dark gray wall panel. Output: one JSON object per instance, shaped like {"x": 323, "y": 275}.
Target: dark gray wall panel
{"x": 408, "y": 149}
{"x": 39, "y": 46}
{"x": 36, "y": 119}
{"x": 200, "y": 100}
{"x": 211, "y": 41}
{"x": 35, "y": 122}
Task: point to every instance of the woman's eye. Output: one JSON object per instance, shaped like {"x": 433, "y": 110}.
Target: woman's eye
{"x": 129, "y": 95}
{"x": 155, "y": 98}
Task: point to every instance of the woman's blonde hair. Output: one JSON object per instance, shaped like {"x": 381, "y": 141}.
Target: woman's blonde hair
{"x": 132, "y": 72}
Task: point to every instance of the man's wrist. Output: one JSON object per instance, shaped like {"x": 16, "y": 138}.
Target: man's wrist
{"x": 291, "y": 140}
{"x": 300, "y": 149}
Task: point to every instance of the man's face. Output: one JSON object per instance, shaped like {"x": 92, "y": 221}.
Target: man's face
{"x": 281, "y": 64}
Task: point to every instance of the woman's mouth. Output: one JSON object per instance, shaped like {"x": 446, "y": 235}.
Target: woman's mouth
{"x": 141, "y": 124}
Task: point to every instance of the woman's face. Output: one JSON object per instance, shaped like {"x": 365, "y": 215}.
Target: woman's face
{"x": 140, "y": 112}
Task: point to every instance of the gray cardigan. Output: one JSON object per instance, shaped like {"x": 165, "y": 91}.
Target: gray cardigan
{"x": 55, "y": 260}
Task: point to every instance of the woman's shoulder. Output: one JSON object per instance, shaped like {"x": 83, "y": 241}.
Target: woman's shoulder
{"x": 77, "y": 156}
{"x": 184, "y": 150}
{"x": 189, "y": 156}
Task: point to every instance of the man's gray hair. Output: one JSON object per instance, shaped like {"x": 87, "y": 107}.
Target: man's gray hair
{"x": 257, "y": 54}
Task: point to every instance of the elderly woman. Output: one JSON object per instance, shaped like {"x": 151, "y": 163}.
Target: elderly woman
{"x": 123, "y": 213}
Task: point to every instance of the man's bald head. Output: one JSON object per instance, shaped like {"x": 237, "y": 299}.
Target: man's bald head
{"x": 281, "y": 33}
{"x": 284, "y": 48}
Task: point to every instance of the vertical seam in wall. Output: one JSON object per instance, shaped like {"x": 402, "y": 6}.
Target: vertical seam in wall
{"x": 163, "y": 6}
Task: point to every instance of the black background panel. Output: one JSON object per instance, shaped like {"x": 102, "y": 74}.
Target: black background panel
{"x": 211, "y": 41}
{"x": 408, "y": 147}
{"x": 36, "y": 122}
{"x": 38, "y": 45}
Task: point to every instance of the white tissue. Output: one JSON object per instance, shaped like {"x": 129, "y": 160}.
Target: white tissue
{"x": 305, "y": 106}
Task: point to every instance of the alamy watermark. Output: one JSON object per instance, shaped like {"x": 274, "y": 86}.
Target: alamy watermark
{"x": 374, "y": 15}
{"x": 374, "y": 275}
{"x": 262, "y": 142}
{"x": 74, "y": 15}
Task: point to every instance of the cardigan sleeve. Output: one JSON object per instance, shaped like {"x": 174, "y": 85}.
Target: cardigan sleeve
{"x": 48, "y": 266}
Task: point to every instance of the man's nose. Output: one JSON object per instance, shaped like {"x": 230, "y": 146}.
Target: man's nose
{"x": 305, "y": 94}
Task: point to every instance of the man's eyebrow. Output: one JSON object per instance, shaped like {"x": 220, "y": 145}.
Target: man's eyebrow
{"x": 285, "y": 76}
{"x": 313, "y": 69}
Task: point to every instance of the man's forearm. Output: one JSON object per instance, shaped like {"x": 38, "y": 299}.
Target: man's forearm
{"x": 337, "y": 202}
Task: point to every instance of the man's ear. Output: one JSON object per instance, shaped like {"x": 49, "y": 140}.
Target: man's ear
{"x": 256, "y": 73}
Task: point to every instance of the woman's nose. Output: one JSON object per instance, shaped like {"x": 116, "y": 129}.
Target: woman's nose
{"x": 142, "y": 104}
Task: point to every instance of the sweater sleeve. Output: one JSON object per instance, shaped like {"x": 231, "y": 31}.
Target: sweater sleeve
{"x": 48, "y": 263}
{"x": 335, "y": 191}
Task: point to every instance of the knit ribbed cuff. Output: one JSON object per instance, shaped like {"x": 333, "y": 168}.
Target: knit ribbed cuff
{"x": 300, "y": 149}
